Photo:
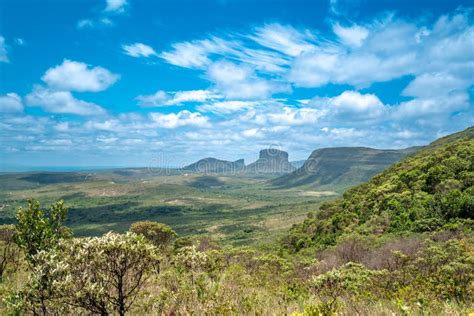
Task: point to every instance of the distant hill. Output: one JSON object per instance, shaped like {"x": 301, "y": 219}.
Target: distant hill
{"x": 298, "y": 163}
{"x": 341, "y": 166}
{"x": 421, "y": 193}
{"x": 213, "y": 165}
{"x": 271, "y": 161}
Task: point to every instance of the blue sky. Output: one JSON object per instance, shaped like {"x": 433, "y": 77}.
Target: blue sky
{"x": 148, "y": 83}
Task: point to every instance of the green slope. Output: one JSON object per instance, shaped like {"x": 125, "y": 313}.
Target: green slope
{"x": 421, "y": 193}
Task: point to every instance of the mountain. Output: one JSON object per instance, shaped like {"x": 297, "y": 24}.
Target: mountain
{"x": 271, "y": 161}
{"x": 213, "y": 165}
{"x": 298, "y": 163}
{"x": 421, "y": 193}
{"x": 341, "y": 166}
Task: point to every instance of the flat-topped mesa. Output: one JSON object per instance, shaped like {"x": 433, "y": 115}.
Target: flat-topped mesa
{"x": 271, "y": 161}
{"x": 341, "y": 166}
{"x": 213, "y": 165}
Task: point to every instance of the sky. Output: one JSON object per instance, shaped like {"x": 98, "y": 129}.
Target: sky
{"x": 167, "y": 82}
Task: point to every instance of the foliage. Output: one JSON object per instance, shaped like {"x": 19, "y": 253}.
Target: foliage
{"x": 161, "y": 235}
{"x": 101, "y": 275}
{"x": 38, "y": 229}
{"x": 420, "y": 194}
{"x": 352, "y": 280}
{"x": 9, "y": 252}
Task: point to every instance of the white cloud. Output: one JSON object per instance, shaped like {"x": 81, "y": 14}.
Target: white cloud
{"x": 352, "y": 36}
{"x": 85, "y": 23}
{"x": 240, "y": 82}
{"x": 353, "y": 101}
{"x": 138, "y": 50}
{"x": 294, "y": 117}
{"x": 61, "y": 102}
{"x": 92, "y": 23}
{"x": 192, "y": 96}
{"x": 429, "y": 107}
{"x": 227, "y": 107}
{"x": 159, "y": 98}
{"x": 62, "y": 127}
{"x": 10, "y": 102}
{"x": 163, "y": 98}
{"x": 252, "y": 133}
{"x": 115, "y": 5}
{"x": 195, "y": 54}
{"x": 350, "y": 104}
{"x": 3, "y": 51}
{"x": 436, "y": 84}
{"x": 183, "y": 118}
{"x": 78, "y": 76}
{"x": 284, "y": 39}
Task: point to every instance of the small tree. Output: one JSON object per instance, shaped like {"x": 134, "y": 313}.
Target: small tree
{"x": 9, "y": 252}
{"x": 38, "y": 229}
{"x": 159, "y": 234}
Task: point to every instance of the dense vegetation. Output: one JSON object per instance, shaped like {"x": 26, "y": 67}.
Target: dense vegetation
{"x": 400, "y": 244}
{"x": 423, "y": 193}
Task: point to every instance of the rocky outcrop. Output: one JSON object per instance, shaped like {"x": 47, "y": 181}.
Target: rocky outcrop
{"x": 271, "y": 161}
{"x": 341, "y": 166}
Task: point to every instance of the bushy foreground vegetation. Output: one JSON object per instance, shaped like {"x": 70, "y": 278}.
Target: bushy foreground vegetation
{"x": 401, "y": 244}
{"x": 150, "y": 270}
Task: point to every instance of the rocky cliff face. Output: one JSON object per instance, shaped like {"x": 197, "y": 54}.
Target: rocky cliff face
{"x": 271, "y": 161}
{"x": 342, "y": 167}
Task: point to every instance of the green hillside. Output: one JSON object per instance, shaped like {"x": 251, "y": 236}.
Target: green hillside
{"x": 424, "y": 192}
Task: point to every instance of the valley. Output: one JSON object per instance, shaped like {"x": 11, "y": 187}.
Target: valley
{"x": 235, "y": 209}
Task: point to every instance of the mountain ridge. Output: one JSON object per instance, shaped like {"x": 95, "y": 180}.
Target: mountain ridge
{"x": 341, "y": 166}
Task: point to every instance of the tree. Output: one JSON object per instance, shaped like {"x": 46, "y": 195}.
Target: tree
{"x": 9, "y": 252}
{"x": 38, "y": 229}
{"x": 159, "y": 234}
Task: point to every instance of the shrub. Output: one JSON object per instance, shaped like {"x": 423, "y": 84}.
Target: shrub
{"x": 101, "y": 275}
{"x": 38, "y": 229}
{"x": 9, "y": 252}
{"x": 159, "y": 234}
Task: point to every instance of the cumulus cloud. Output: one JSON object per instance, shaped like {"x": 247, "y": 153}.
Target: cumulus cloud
{"x": 3, "y": 51}
{"x": 61, "y": 102}
{"x": 10, "y": 103}
{"x": 138, "y": 50}
{"x": 350, "y": 104}
{"x": 182, "y": 118}
{"x": 78, "y": 76}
